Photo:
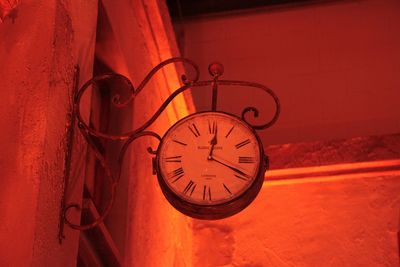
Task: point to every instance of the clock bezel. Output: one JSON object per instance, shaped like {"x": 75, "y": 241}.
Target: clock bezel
{"x": 223, "y": 209}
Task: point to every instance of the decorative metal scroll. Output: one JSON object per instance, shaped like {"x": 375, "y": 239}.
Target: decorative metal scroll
{"x": 89, "y": 133}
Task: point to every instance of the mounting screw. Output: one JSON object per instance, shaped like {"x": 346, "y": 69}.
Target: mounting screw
{"x": 216, "y": 69}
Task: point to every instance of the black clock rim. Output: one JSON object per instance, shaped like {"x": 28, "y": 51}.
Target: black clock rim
{"x": 220, "y": 210}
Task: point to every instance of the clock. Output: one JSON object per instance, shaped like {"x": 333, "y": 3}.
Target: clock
{"x": 210, "y": 165}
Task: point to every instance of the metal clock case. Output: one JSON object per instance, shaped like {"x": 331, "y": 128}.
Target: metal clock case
{"x": 210, "y": 165}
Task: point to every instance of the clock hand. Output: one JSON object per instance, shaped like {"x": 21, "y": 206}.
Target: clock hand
{"x": 213, "y": 142}
{"x": 230, "y": 167}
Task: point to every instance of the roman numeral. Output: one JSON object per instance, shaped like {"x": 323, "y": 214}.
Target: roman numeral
{"x": 173, "y": 159}
{"x": 189, "y": 188}
{"x": 241, "y": 144}
{"x": 212, "y": 128}
{"x": 229, "y": 132}
{"x": 247, "y": 160}
{"x": 177, "y": 174}
{"x": 241, "y": 177}
{"x": 227, "y": 189}
{"x": 207, "y": 192}
{"x": 179, "y": 142}
{"x": 194, "y": 130}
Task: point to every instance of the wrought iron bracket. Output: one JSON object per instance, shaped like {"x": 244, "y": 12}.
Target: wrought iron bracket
{"x": 69, "y": 142}
{"x": 89, "y": 133}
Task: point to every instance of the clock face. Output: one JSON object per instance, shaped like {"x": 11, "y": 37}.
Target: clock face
{"x": 209, "y": 158}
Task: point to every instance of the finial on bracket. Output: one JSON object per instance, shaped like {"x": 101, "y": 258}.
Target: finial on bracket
{"x": 216, "y": 69}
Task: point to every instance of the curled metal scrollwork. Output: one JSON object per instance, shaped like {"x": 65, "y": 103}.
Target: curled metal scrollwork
{"x": 134, "y": 92}
{"x": 90, "y": 133}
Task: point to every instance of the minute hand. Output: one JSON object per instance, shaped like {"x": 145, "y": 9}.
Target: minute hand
{"x": 231, "y": 167}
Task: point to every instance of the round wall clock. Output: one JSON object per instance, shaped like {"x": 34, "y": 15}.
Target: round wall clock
{"x": 210, "y": 165}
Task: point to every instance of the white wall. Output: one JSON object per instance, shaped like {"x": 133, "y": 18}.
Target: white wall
{"x": 334, "y": 66}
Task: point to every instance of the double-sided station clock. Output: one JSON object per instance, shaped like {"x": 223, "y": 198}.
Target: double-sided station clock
{"x": 210, "y": 165}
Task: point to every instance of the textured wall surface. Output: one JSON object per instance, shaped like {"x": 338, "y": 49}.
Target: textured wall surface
{"x": 335, "y": 69}
{"x": 334, "y": 66}
{"x": 156, "y": 234}
{"x": 326, "y": 62}
{"x": 326, "y": 207}
{"x": 339, "y": 151}
{"x": 343, "y": 221}
{"x": 39, "y": 48}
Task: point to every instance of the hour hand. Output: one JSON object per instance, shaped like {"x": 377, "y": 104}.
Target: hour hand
{"x": 213, "y": 142}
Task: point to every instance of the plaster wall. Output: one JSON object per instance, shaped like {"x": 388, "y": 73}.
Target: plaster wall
{"x": 337, "y": 221}
{"x": 39, "y": 47}
{"x": 159, "y": 235}
{"x": 334, "y": 66}
{"x": 156, "y": 234}
{"x": 325, "y": 203}
{"x": 335, "y": 69}
{"x": 348, "y": 220}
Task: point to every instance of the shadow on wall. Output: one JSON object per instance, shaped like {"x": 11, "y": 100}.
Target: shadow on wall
{"x": 8, "y": 8}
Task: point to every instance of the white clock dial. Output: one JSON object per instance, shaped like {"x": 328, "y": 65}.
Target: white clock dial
{"x": 209, "y": 158}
